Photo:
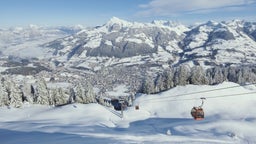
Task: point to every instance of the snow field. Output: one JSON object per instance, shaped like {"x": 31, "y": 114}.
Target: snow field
{"x": 162, "y": 118}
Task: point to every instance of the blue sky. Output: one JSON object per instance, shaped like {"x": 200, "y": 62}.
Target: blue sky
{"x": 97, "y": 12}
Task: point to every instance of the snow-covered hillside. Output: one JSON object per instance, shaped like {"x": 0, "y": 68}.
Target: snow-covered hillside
{"x": 162, "y": 118}
{"x": 220, "y": 43}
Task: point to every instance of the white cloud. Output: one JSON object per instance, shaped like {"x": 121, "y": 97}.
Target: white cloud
{"x": 172, "y": 7}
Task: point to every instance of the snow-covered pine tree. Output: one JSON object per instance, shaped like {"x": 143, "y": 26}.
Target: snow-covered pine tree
{"x": 160, "y": 84}
{"x": 182, "y": 75}
{"x": 58, "y": 96}
{"x": 15, "y": 95}
{"x": 4, "y": 99}
{"x": 85, "y": 94}
{"x": 169, "y": 79}
{"x": 72, "y": 95}
{"x": 241, "y": 76}
{"x": 42, "y": 94}
{"x": 217, "y": 75}
{"x": 232, "y": 74}
{"x": 148, "y": 86}
{"x": 80, "y": 94}
{"x": 12, "y": 95}
{"x": 198, "y": 76}
{"x": 89, "y": 93}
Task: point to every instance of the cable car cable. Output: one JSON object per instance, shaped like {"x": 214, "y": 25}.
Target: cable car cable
{"x": 205, "y": 91}
{"x": 209, "y": 97}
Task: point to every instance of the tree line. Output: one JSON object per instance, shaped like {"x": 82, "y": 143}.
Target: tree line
{"x": 12, "y": 94}
{"x": 197, "y": 75}
{"x": 15, "y": 95}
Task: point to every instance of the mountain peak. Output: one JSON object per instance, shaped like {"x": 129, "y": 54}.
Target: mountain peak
{"x": 116, "y": 24}
{"x": 116, "y": 20}
{"x": 164, "y": 23}
{"x": 235, "y": 23}
{"x": 212, "y": 23}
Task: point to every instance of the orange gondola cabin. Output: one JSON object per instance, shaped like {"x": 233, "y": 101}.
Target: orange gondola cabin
{"x": 197, "y": 113}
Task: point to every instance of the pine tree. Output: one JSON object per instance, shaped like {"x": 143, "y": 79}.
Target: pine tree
{"x": 216, "y": 75}
{"x": 148, "y": 86}
{"x": 58, "y": 96}
{"x": 198, "y": 76}
{"x": 4, "y": 99}
{"x": 89, "y": 93}
{"x": 72, "y": 95}
{"x": 12, "y": 95}
{"x": 169, "y": 79}
{"x": 85, "y": 94}
{"x": 160, "y": 84}
{"x": 181, "y": 76}
{"x": 232, "y": 74}
{"x": 15, "y": 95}
{"x": 241, "y": 76}
{"x": 41, "y": 93}
{"x": 80, "y": 94}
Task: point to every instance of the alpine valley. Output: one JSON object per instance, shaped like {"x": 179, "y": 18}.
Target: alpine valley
{"x": 48, "y": 73}
{"x": 122, "y": 52}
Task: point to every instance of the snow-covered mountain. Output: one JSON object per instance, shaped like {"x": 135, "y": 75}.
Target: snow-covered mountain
{"x": 119, "y": 42}
{"x": 160, "y": 42}
{"x": 220, "y": 43}
{"x": 123, "y": 41}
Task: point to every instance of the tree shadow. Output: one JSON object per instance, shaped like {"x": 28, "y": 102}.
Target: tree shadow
{"x": 14, "y": 137}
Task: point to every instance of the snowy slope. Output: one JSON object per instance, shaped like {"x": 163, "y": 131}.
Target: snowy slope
{"x": 162, "y": 118}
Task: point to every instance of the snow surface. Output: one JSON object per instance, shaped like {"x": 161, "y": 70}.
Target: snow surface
{"x": 120, "y": 90}
{"x": 162, "y": 118}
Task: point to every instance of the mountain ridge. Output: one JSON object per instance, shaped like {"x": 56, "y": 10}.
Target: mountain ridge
{"x": 165, "y": 41}
{"x": 120, "y": 42}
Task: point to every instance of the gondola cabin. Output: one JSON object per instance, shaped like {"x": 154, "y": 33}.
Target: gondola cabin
{"x": 197, "y": 113}
{"x": 119, "y": 104}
